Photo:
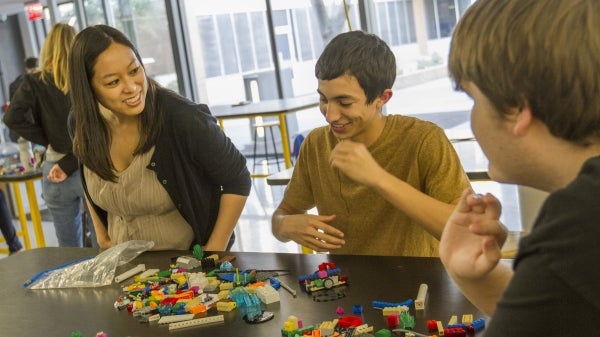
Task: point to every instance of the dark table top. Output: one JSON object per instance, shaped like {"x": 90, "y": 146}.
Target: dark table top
{"x": 18, "y": 177}
{"x": 60, "y": 312}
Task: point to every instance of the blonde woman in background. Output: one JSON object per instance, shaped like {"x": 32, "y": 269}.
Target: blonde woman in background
{"x": 45, "y": 94}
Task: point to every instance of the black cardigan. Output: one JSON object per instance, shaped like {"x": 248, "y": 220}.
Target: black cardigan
{"x": 38, "y": 112}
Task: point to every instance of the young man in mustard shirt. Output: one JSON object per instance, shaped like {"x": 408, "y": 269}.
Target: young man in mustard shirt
{"x": 382, "y": 185}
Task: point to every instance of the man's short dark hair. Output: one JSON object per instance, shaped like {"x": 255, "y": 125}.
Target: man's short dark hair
{"x": 31, "y": 62}
{"x": 362, "y": 55}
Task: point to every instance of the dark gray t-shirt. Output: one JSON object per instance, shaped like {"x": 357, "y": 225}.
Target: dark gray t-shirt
{"x": 555, "y": 290}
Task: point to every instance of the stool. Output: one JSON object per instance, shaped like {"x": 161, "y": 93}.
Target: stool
{"x": 264, "y": 127}
{"x": 36, "y": 218}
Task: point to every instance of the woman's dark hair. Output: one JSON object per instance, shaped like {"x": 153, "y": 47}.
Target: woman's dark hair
{"x": 91, "y": 136}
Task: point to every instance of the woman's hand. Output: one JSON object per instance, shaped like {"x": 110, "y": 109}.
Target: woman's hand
{"x": 56, "y": 174}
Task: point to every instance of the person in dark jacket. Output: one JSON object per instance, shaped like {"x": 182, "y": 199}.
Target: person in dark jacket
{"x": 44, "y": 94}
{"x": 6, "y": 224}
{"x": 31, "y": 66}
{"x": 156, "y": 166}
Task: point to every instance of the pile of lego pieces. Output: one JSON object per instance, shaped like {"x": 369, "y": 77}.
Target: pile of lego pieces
{"x": 182, "y": 298}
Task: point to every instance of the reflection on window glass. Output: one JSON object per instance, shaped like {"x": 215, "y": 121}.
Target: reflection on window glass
{"x": 227, "y": 38}
{"x": 94, "y": 12}
{"x": 283, "y": 46}
{"x": 228, "y": 47}
{"x": 66, "y": 12}
{"x": 447, "y": 16}
{"x": 245, "y": 41}
{"x": 280, "y": 18}
{"x": 442, "y": 16}
{"x": 395, "y": 22}
{"x": 331, "y": 17}
{"x": 409, "y": 31}
{"x": 463, "y": 5}
{"x": 303, "y": 35}
{"x": 146, "y": 24}
{"x": 260, "y": 31}
{"x": 210, "y": 46}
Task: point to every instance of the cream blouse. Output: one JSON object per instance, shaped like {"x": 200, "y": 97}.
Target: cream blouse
{"x": 139, "y": 208}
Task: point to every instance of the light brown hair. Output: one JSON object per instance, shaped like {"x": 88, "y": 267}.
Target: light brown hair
{"x": 543, "y": 52}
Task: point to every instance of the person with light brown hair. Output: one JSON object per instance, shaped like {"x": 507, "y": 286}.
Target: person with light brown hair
{"x": 45, "y": 94}
{"x": 531, "y": 68}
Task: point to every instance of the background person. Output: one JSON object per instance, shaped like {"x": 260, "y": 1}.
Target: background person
{"x": 383, "y": 185}
{"x": 45, "y": 95}
{"x": 156, "y": 166}
{"x": 6, "y": 224}
{"x": 31, "y": 65}
{"x": 7, "y": 227}
{"x": 536, "y": 114}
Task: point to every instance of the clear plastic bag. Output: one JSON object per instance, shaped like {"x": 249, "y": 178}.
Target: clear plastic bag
{"x": 90, "y": 272}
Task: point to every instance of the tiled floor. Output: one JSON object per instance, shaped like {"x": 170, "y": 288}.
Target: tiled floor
{"x": 254, "y": 228}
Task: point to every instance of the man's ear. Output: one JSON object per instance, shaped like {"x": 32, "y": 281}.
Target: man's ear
{"x": 523, "y": 119}
{"x": 385, "y": 96}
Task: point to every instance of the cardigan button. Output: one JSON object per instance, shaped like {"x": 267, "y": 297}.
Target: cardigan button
{"x": 164, "y": 181}
{"x": 153, "y": 164}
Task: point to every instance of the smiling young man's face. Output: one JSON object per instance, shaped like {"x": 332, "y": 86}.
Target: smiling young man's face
{"x": 343, "y": 103}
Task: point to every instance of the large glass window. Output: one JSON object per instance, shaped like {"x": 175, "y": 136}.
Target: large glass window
{"x": 395, "y": 23}
{"x": 65, "y": 13}
{"x": 232, "y": 47}
{"x": 231, "y": 51}
{"x": 235, "y": 55}
{"x": 145, "y": 23}
{"x": 442, "y": 16}
{"x": 234, "y": 43}
{"x": 94, "y": 12}
{"x": 448, "y": 13}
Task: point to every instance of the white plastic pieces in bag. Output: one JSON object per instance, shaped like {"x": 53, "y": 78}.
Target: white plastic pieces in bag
{"x": 95, "y": 271}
